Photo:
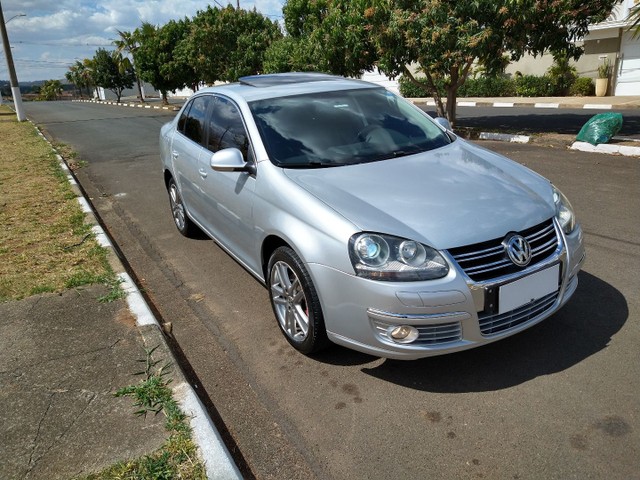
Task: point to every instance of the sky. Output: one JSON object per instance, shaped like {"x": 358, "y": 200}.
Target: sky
{"x": 56, "y": 33}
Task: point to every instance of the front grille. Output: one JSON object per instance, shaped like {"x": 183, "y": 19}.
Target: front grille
{"x": 488, "y": 260}
{"x": 428, "y": 334}
{"x": 498, "y": 323}
{"x": 437, "y": 334}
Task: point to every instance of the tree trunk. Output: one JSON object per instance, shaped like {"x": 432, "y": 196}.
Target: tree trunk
{"x": 139, "y": 89}
{"x": 432, "y": 87}
{"x": 165, "y": 100}
{"x": 452, "y": 91}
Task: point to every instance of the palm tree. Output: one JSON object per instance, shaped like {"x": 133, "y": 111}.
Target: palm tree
{"x": 50, "y": 90}
{"x": 128, "y": 44}
{"x": 88, "y": 67}
{"x": 634, "y": 18}
{"x": 73, "y": 77}
{"x": 80, "y": 74}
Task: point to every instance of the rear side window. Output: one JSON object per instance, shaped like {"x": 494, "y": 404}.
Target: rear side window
{"x": 226, "y": 129}
{"x": 192, "y": 121}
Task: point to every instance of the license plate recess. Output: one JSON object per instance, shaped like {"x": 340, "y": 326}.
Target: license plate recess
{"x": 528, "y": 289}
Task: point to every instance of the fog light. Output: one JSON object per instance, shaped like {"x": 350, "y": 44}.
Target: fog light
{"x": 403, "y": 333}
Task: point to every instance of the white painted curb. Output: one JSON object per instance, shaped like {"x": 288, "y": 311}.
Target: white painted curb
{"x": 207, "y": 436}
{"x": 503, "y": 104}
{"x": 219, "y": 464}
{"x": 607, "y": 148}
{"x": 597, "y": 106}
{"x": 504, "y": 137}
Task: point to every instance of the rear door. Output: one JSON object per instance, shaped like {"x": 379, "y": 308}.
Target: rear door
{"x": 187, "y": 149}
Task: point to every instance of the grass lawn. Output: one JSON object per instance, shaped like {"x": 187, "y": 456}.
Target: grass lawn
{"x": 45, "y": 245}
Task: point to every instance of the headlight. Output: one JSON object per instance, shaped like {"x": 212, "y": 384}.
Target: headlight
{"x": 564, "y": 211}
{"x": 384, "y": 257}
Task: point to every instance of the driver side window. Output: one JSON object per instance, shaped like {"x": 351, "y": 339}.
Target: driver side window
{"x": 226, "y": 129}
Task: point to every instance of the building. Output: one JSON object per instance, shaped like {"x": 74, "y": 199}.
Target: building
{"x": 607, "y": 41}
{"x": 612, "y": 39}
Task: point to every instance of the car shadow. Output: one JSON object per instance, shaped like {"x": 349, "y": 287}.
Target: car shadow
{"x": 580, "y": 329}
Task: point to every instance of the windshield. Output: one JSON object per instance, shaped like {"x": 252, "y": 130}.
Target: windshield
{"x": 343, "y": 128}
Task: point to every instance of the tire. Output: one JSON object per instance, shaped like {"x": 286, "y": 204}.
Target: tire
{"x": 182, "y": 221}
{"x": 295, "y": 302}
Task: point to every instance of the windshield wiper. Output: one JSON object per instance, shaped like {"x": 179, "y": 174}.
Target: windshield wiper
{"x": 405, "y": 152}
{"x": 309, "y": 164}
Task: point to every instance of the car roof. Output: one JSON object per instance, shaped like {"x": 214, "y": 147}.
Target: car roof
{"x": 259, "y": 87}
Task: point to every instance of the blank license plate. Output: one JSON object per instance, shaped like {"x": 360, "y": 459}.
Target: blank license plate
{"x": 528, "y": 289}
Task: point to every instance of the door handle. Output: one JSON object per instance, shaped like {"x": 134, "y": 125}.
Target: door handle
{"x": 174, "y": 154}
{"x": 203, "y": 173}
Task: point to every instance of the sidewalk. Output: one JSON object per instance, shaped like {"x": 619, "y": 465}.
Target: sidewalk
{"x": 590, "y": 103}
{"x": 62, "y": 358}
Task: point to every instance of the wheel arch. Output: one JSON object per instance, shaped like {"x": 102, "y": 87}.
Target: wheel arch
{"x": 167, "y": 177}
{"x": 270, "y": 244}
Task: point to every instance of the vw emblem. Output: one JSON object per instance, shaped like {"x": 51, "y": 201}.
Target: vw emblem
{"x": 518, "y": 250}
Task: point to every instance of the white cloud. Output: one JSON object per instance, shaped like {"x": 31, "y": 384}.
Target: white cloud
{"x": 55, "y": 32}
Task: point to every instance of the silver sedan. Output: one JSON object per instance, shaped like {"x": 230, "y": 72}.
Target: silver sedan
{"x": 372, "y": 225}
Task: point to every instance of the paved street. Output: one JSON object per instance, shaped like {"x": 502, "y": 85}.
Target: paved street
{"x": 531, "y": 120}
{"x": 559, "y": 401}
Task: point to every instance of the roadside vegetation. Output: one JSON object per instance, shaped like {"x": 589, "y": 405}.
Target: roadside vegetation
{"x": 178, "y": 457}
{"x": 45, "y": 245}
{"x": 437, "y": 46}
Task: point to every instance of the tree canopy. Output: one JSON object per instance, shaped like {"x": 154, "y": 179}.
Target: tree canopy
{"x": 225, "y": 44}
{"x": 157, "y": 57}
{"x": 438, "y": 39}
{"x": 110, "y": 72}
{"x": 434, "y": 44}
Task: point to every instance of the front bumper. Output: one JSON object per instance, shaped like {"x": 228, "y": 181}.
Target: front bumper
{"x": 451, "y": 314}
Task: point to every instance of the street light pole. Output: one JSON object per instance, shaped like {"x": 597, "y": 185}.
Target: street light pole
{"x": 15, "y": 86}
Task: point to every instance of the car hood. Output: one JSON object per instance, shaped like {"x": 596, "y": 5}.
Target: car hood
{"x": 452, "y": 196}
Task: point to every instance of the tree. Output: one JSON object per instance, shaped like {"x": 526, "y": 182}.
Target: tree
{"x": 110, "y": 74}
{"x": 80, "y": 74}
{"x": 442, "y": 39}
{"x": 74, "y": 78}
{"x": 634, "y": 18}
{"x": 225, "y": 44}
{"x": 128, "y": 44}
{"x": 159, "y": 61}
{"x": 324, "y": 36}
{"x": 50, "y": 90}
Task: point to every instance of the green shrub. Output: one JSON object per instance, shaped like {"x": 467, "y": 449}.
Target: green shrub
{"x": 501, "y": 86}
{"x": 582, "y": 87}
{"x": 533, "y": 86}
{"x": 562, "y": 75}
{"x": 408, "y": 89}
{"x": 473, "y": 87}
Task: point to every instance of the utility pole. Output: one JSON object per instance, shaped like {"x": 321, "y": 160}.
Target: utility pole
{"x": 15, "y": 87}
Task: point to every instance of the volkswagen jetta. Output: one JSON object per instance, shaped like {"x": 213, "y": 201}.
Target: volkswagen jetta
{"x": 372, "y": 225}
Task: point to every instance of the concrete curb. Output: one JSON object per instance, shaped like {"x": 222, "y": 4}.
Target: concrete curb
{"x": 120, "y": 104}
{"x": 504, "y": 137}
{"x": 467, "y": 103}
{"x": 607, "y": 148}
{"x": 219, "y": 464}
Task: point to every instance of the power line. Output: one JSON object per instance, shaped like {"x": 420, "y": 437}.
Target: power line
{"x": 64, "y": 44}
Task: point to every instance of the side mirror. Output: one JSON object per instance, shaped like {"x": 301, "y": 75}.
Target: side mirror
{"x": 230, "y": 160}
{"x": 443, "y": 122}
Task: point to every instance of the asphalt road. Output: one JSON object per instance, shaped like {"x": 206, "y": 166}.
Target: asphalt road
{"x": 558, "y": 401}
{"x": 529, "y": 120}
